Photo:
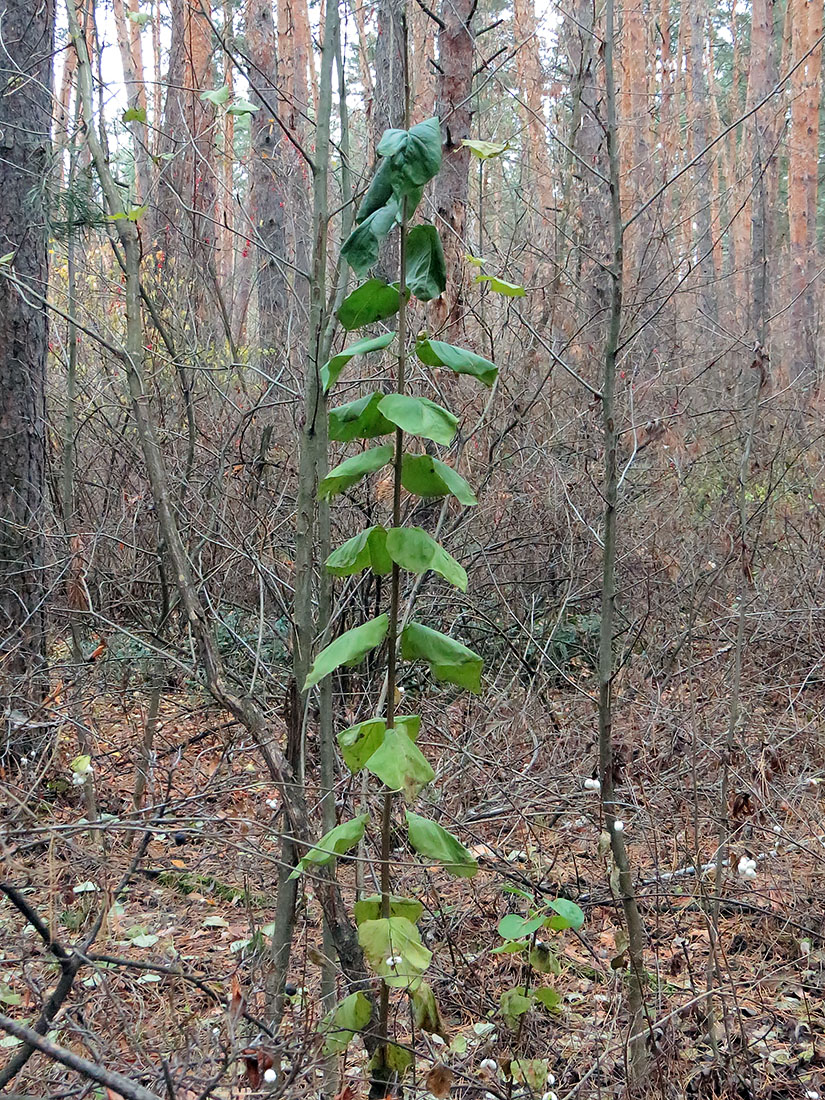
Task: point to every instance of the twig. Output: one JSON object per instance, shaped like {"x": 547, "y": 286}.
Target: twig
{"x": 113, "y": 1080}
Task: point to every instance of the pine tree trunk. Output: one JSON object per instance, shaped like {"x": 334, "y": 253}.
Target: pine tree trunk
{"x": 697, "y": 107}
{"x": 186, "y": 200}
{"x": 456, "y": 45}
{"x": 25, "y": 146}
{"x": 762, "y": 142}
{"x": 266, "y": 191}
{"x": 806, "y": 27}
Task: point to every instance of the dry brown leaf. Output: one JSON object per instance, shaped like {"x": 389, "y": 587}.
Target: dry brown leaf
{"x": 439, "y": 1080}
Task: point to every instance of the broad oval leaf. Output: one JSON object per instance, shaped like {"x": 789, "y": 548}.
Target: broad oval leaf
{"x": 393, "y": 948}
{"x": 400, "y": 764}
{"x": 414, "y": 156}
{"x": 486, "y": 150}
{"x": 512, "y": 1006}
{"x": 351, "y": 470}
{"x": 358, "y": 420}
{"x": 435, "y": 353}
{"x": 369, "y": 908}
{"x": 359, "y": 742}
{"x": 378, "y": 193}
{"x": 426, "y": 269}
{"x": 416, "y": 551}
{"x": 431, "y": 841}
{"x": 366, "y": 550}
{"x": 569, "y": 915}
{"x": 342, "y": 1024}
{"x": 217, "y": 96}
{"x": 134, "y": 114}
{"x": 509, "y": 290}
{"x": 242, "y": 107}
{"x": 373, "y": 301}
{"x": 419, "y": 416}
{"x": 427, "y": 476}
{"x": 425, "y": 1011}
{"x": 331, "y": 370}
{"x": 349, "y": 649}
{"x": 334, "y": 843}
{"x": 547, "y": 998}
{"x": 448, "y": 659}
{"x": 362, "y": 246}
{"x": 514, "y": 927}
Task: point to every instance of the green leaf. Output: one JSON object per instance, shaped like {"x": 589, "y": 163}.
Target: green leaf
{"x": 448, "y": 659}
{"x": 530, "y": 1071}
{"x": 369, "y": 908}
{"x": 511, "y": 947}
{"x": 476, "y": 261}
{"x": 547, "y": 997}
{"x": 351, "y": 470}
{"x": 134, "y": 114}
{"x": 8, "y": 996}
{"x": 81, "y": 764}
{"x": 341, "y": 1025}
{"x": 569, "y": 915}
{"x": 486, "y": 150}
{"x": 132, "y": 215}
{"x": 373, "y": 301}
{"x": 393, "y": 948}
{"x": 362, "y": 246}
{"x": 349, "y": 649}
{"x": 7, "y": 257}
{"x": 433, "y": 842}
{"x": 414, "y": 156}
{"x": 378, "y": 193}
{"x": 429, "y": 477}
{"x": 366, "y": 550}
{"x": 242, "y": 107}
{"x": 426, "y": 269}
{"x": 512, "y": 1006}
{"x": 425, "y": 1011}
{"x": 331, "y": 370}
{"x": 388, "y": 1062}
{"x": 419, "y": 416}
{"x": 435, "y": 353}
{"x": 359, "y": 742}
{"x": 514, "y": 927}
{"x": 140, "y": 17}
{"x": 416, "y": 551}
{"x": 509, "y": 290}
{"x": 334, "y": 843}
{"x": 358, "y": 420}
{"x": 543, "y": 960}
{"x": 217, "y": 96}
{"x": 400, "y": 764}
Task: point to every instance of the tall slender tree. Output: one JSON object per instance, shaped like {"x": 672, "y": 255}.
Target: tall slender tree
{"x": 25, "y": 137}
{"x": 266, "y": 192}
{"x": 456, "y": 49}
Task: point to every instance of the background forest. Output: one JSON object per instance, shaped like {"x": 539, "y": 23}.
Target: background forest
{"x": 305, "y": 310}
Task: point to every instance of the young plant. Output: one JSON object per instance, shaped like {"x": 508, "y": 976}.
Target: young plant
{"x": 386, "y": 746}
{"x": 521, "y": 936}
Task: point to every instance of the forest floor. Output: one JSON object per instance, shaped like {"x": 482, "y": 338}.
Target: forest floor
{"x": 512, "y": 781}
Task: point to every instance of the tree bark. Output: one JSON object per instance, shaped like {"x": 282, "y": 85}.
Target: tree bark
{"x": 266, "y": 190}
{"x": 806, "y": 27}
{"x": 186, "y": 199}
{"x": 456, "y": 48}
{"x": 25, "y": 145}
{"x": 698, "y": 105}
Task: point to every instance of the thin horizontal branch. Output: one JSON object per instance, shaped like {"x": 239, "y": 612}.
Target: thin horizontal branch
{"x": 127, "y": 1088}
